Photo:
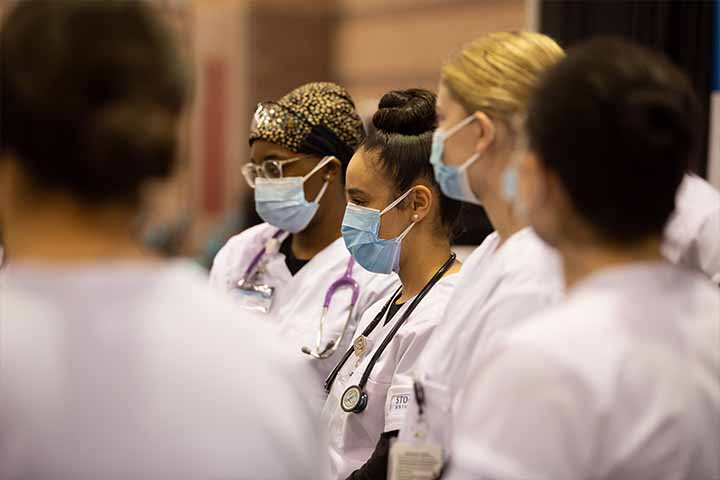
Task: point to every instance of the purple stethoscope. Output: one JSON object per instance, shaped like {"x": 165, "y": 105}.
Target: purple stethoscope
{"x": 322, "y": 350}
{"x": 346, "y": 281}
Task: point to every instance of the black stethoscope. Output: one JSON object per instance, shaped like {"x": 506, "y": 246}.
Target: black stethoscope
{"x": 355, "y": 399}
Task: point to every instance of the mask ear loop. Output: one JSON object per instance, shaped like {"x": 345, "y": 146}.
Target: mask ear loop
{"x": 406, "y": 231}
{"x": 467, "y": 121}
{"x": 321, "y": 193}
{"x": 469, "y": 162}
{"x": 320, "y": 165}
{"x": 453, "y": 130}
{"x": 312, "y": 172}
{"x": 395, "y": 204}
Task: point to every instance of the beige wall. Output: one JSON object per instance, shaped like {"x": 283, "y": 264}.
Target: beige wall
{"x": 383, "y": 44}
{"x": 243, "y": 51}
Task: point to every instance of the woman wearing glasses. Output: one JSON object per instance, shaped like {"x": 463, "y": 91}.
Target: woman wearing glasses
{"x": 294, "y": 269}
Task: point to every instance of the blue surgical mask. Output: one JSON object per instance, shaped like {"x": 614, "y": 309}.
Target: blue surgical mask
{"x": 453, "y": 180}
{"x": 281, "y": 202}
{"x": 510, "y": 184}
{"x": 511, "y": 191}
{"x": 361, "y": 229}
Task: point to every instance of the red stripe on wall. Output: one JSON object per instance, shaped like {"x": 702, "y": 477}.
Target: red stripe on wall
{"x": 214, "y": 135}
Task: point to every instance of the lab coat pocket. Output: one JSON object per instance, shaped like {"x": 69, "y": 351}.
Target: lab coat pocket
{"x": 364, "y": 429}
{"x": 399, "y": 400}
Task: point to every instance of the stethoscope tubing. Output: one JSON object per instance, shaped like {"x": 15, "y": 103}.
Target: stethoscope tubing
{"x": 388, "y": 338}
{"x": 346, "y": 281}
{"x": 259, "y": 256}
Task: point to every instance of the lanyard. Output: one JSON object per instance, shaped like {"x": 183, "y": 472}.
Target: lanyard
{"x": 388, "y": 338}
{"x": 368, "y": 330}
{"x": 419, "y": 396}
{"x": 259, "y": 256}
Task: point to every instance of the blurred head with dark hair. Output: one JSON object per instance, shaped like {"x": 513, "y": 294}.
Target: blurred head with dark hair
{"x": 611, "y": 130}
{"x": 91, "y": 95}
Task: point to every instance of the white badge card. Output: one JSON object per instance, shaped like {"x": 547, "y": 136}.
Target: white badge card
{"x": 421, "y": 461}
{"x": 398, "y": 400}
{"x": 258, "y": 298}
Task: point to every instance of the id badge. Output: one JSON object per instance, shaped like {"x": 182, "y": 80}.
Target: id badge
{"x": 415, "y": 461}
{"x": 258, "y": 298}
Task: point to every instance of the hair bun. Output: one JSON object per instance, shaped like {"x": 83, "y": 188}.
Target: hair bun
{"x": 659, "y": 118}
{"x": 406, "y": 112}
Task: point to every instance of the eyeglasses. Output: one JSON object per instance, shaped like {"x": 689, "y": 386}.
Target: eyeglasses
{"x": 268, "y": 169}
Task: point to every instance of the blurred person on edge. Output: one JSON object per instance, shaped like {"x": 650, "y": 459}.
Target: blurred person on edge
{"x": 115, "y": 363}
{"x": 621, "y": 380}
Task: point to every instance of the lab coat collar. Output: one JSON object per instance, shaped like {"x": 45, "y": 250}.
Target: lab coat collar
{"x": 629, "y": 276}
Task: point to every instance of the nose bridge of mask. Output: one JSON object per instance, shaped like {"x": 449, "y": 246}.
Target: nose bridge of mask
{"x": 275, "y": 189}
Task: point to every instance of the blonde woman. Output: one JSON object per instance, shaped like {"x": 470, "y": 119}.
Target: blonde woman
{"x": 482, "y": 98}
{"x": 620, "y": 380}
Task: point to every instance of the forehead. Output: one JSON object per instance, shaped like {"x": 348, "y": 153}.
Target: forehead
{"x": 360, "y": 169}
{"x": 446, "y": 101}
{"x": 362, "y": 172}
{"x": 261, "y": 149}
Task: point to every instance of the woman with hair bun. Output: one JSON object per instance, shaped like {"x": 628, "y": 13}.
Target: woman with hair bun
{"x": 396, "y": 220}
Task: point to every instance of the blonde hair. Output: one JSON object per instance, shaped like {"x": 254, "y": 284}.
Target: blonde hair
{"x": 496, "y": 73}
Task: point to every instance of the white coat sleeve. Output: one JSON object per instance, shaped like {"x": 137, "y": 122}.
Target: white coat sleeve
{"x": 219, "y": 271}
{"x": 503, "y": 314}
{"x": 522, "y": 417}
{"x": 300, "y": 446}
{"x": 708, "y": 242}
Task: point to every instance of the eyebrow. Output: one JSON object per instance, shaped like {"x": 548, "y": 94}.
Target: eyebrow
{"x": 356, "y": 191}
{"x": 266, "y": 157}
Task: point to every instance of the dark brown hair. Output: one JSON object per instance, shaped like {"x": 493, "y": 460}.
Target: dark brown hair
{"x": 90, "y": 92}
{"x": 402, "y": 137}
{"x": 618, "y": 124}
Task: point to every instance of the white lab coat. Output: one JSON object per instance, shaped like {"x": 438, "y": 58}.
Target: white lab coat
{"x": 298, "y": 301}
{"x": 692, "y": 236}
{"x": 353, "y": 436}
{"x": 136, "y": 371}
{"x": 621, "y": 381}
{"x": 498, "y": 288}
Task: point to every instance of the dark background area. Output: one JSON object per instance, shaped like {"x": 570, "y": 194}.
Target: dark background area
{"x": 683, "y": 30}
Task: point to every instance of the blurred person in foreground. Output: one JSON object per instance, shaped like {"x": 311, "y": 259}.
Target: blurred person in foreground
{"x": 620, "y": 380}
{"x": 115, "y": 364}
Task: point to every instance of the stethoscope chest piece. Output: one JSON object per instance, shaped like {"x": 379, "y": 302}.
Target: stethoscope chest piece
{"x": 353, "y": 400}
